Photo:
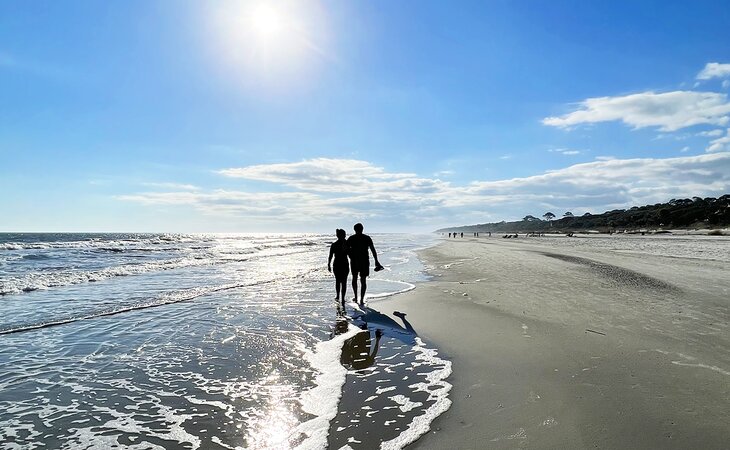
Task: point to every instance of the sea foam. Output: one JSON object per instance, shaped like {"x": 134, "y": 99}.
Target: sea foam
{"x": 438, "y": 389}
{"x": 322, "y": 400}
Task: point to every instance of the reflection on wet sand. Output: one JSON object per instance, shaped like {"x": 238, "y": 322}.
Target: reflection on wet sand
{"x": 359, "y": 351}
{"x": 392, "y": 378}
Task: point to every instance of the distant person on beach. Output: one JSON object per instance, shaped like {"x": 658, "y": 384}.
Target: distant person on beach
{"x": 338, "y": 251}
{"x": 358, "y": 245}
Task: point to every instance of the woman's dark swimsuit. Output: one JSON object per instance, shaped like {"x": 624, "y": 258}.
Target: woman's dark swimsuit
{"x": 340, "y": 267}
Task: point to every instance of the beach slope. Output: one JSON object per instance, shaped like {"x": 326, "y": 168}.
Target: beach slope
{"x": 556, "y": 347}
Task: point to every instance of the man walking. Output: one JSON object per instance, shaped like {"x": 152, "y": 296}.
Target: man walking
{"x": 359, "y": 244}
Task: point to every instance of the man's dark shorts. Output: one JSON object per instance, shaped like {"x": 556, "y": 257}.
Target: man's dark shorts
{"x": 360, "y": 268}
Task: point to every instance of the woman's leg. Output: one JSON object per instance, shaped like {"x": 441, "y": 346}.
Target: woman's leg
{"x": 344, "y": 289}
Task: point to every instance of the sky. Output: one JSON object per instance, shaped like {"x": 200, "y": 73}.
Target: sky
{"x": 305, "y": 116}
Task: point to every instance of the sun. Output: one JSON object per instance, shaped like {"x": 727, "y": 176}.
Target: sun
{"x": 267, "y": 22}
{"x": 269, "y": 42}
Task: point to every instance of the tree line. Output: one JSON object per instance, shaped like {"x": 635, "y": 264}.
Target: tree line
{"x": 695, "y": 212}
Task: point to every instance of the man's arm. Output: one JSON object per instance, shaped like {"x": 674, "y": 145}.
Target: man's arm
{"x": 375, "y": 254}
{"x": 329, "y": 261}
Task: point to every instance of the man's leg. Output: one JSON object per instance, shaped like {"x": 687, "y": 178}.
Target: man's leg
{"x": 363, "y": 288}
{"x": 337, "y": 288}
{"x": 354, "y": 285}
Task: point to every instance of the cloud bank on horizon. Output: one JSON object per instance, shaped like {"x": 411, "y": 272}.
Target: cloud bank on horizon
{"x": 321, "y": 190}
{"x": 326, "y": 190}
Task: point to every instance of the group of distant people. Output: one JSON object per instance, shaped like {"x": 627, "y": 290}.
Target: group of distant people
{"x": 355, "y": 248}
{"x": 462, "y": 234}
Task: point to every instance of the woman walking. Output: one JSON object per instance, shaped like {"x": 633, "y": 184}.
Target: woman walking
{"x": 338, "y": 250}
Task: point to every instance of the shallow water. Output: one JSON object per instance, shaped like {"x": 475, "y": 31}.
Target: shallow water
{"x": 204, "y": 341}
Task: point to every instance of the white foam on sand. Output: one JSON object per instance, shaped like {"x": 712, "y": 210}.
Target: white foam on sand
{"x": 438, "y": 392}
{"x": 406, "y": 287}
{"x": 322, "y": 400}
{"x": 405, "y": 403}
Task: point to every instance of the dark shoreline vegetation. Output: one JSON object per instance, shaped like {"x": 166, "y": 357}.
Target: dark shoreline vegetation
{"x": 699, "y": 213}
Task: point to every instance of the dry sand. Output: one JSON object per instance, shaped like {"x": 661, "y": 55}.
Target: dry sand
{"x": 514, "y": 318}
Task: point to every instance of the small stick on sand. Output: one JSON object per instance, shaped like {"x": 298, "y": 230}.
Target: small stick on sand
{"x": 594, "y": 331}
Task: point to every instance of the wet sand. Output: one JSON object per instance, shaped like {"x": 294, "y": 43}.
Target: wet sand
{"x": 557, "y": 347}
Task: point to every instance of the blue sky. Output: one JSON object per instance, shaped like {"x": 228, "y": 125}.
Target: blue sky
{"x": 304, "y": 116}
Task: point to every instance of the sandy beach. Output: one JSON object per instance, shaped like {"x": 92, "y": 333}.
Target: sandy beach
{"x": 575, "y": 347}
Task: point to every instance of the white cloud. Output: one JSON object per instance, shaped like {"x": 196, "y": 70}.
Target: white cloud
{"x": 673, "y": 136}
{"x": 334, "y": 175}
{"x": 684, "y": 149}
{"x": 710, "y": 133}
{"x": 299, "y": 206}
{"x": 721, "y": 144}
{"x": 607, "y": 184}
{"x": 725, "y": 84}
{"x": 565, "y": 151}
{"x": 172, "y": 186}
{"x": 714, "y": 70}
{"x": 669, "y": 111}
{"x": 322, "y": 190}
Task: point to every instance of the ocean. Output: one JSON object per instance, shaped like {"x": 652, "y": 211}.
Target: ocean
{"x": 220, "y": 341}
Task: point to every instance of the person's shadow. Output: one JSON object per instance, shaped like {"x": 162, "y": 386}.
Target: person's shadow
{"x": 359, "y": 351}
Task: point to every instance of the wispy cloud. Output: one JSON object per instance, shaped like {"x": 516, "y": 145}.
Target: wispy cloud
{"x": 714, "y": 70}
{"x": 710, "y": 133}
{"x": 321, "y": 189}
{"x": 669, "y": 111}
{"x": 335, "y": 175}
{"x": 171, "y": 186}
{"x": 721, "y": 144}
{"x": 444, "y": 173}
{"x": 299, "y": 206}
{"x": 565, "y": 151}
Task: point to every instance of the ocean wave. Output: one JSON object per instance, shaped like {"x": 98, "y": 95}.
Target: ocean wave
{"x": 41, "y": 280}
{"x": 161, "y": 300}
{"x": 156, "y": 243}
{"x": 44, "y": 280}
{"x": 103, "y": 243}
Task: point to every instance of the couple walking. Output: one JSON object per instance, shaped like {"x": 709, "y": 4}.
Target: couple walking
{"x": 356, "y": 248}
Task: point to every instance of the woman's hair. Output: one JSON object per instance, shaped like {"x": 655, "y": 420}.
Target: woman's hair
{"x": 341, "y": 233}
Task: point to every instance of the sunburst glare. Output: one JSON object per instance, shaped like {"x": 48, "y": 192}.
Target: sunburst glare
{"x": 267, "y": 22}
{"x": 269, "y": 41}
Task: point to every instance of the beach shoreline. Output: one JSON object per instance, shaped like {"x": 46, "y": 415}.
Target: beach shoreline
{"x": 561, "y": 347}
